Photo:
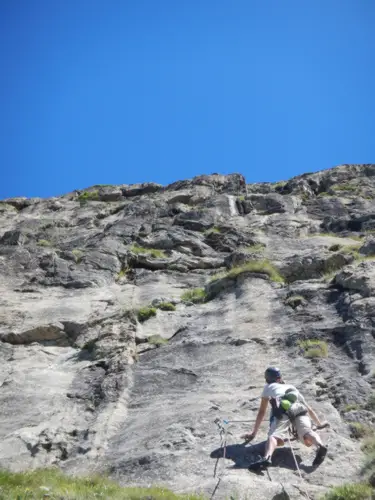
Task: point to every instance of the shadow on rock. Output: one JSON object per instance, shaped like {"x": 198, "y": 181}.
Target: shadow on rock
{"x": 243, "y": 456}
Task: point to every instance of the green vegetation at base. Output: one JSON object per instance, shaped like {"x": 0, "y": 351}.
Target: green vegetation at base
{"x": 51, "y": 483}
{"x": 153, "y": 252}
{"x": 314, "y": 348}
{"x": 355, "y": 491}
{"x": 196, "y": 295}
{"x": 146, "y": 313}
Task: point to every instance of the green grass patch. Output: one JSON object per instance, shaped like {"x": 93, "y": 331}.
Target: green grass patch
{"x": 351, "y": 407}
{"x": 213, "y": 230}
{"x": 345, "y": 187}
{"x": 51, "y": 483}
{"x": 89, "y": 196}
{"x": 44, "y": 243}
{"x": 78, "y": 254}
{"x": 166, "y": 306}
{"x": 157, "y": 340}
{"x": 257, "y": 266}
{"x": 196, "y": 295}
{"x": 124, "y": 271}
{"x": 368, "y": 445}
{"x": 351, "y": 250}
{"x": 359, "y": 431}
{"x": 241, "y": 198}
{"x": 324, "y": 194}
{"x": 354, "y": 491}
{"x": 153, "y": 252}
{"x": 295, "y": 301}
{"x": 121, "y": 274}
{"x": 314, "y": 348}
{"x": 146, "y": 313}
{"x": 279, "y": 184}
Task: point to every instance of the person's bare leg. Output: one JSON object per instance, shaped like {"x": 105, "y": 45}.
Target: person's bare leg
{"x": 271, "y": 446}
{"x": 313, "y": 438}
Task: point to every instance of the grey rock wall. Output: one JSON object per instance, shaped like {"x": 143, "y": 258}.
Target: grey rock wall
{"x": 89, "y": 385}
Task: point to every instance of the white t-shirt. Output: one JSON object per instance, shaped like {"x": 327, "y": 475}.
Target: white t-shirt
{"x": 276, "y": 391}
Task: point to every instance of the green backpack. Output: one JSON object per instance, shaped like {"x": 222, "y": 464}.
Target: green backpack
{"x": 289, "y": 403}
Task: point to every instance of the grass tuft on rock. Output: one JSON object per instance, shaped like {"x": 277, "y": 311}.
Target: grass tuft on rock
{"x": 351, "y": 407}
{"x": 345, "y": 187}
{"x": 257, "y": 266}
{"x": 51, "y": 483}
{"x": 351, "y": 250}
{"x": 89, "y": 196}
{"x": 314, "y": 348}
{"x": 153, "y": 252}
{"x": 359, "y": 431}
{"x": 78, "y": 255}
{"x": 157, "y": 340}
{"x": 146, "y": 313}
{"x": 166, "y": 306}
{"x": 196, "y": 295}
{"x": 213, "y": 230}
{"x": 295, "y": 301}
{"x": 44, "y": 243}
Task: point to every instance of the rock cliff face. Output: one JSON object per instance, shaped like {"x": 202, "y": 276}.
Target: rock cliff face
{"x": 132, "y": 317}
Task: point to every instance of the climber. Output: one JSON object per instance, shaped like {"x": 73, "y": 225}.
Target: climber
{"x": 288, "y": 407}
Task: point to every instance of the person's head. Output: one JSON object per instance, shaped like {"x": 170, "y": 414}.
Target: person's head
{"x": 272, "y": 374}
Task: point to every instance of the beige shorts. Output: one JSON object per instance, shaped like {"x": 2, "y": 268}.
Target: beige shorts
{"x": 279, "y": 427}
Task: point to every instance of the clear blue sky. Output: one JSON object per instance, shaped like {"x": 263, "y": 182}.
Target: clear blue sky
{"x": 125, "y": 91}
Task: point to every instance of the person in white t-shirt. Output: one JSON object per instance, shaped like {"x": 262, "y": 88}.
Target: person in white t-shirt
{"x": 273, "y": 392}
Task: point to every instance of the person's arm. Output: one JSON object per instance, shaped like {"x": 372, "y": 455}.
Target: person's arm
{"x": 260, "y": 417}
{"x": 314, "y": 417}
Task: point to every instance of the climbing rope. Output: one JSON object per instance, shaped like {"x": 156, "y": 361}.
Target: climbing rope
{"x": 297, "y": 466}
